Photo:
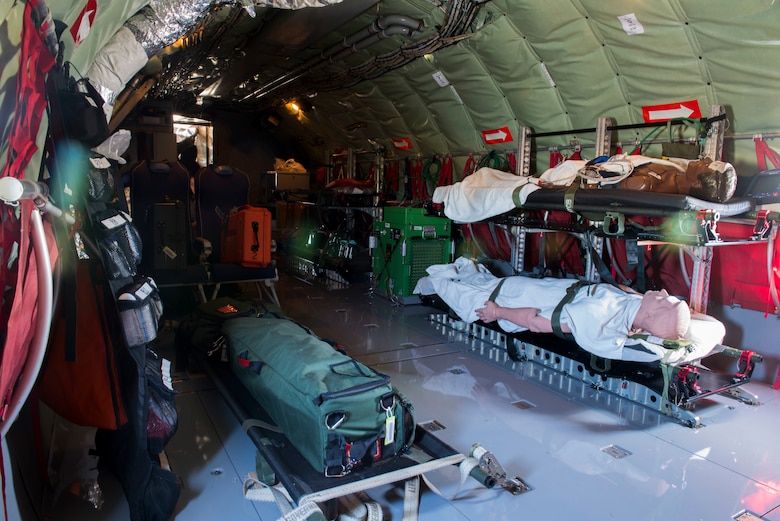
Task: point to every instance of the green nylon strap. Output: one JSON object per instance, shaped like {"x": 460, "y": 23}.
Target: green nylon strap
{"x": 568, "y": 197}
{"x": 516, "y": 199}
{"x": 666, "y": 343}
{"x": 496, "y": 290}
{"x": 604, "y": 272}
{"x": 600, "y": 364}
{"x": 556, "y": 316}
{"x": 493, "y": 235}
{"x": 431, "y": 169}
{"x": 495, "y": 161}
{"x": 666, "y": 370}
{"x": 516, "y": 196}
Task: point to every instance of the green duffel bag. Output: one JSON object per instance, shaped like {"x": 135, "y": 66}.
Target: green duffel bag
{"x": 337, "y": 412}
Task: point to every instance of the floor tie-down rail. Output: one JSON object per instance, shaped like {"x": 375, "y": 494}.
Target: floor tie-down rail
{"x": 671, "y": 390}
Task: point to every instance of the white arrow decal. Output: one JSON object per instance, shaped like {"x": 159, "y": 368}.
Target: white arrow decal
{"x": 680, "y": 112}
{"x": 498, "y": 135}
{"x": 84, "y": 27}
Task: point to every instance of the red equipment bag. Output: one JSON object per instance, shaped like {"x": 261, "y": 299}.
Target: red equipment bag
{"x": 246, "y": 237}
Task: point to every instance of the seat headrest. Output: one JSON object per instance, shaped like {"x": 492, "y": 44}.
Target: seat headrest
{"x": 223, "y": 170}
{"x": 159, "y": 167}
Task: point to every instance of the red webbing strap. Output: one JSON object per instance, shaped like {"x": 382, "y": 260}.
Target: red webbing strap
{"x": 35, "y": 61}
{"x": 471, "y": 165}
{"x": 556, "y": 158}
{"x": 512, "y": 158}
{"x": 21, "y": 320}
{"x": 445, "y": 176}
{"x": 764, "y": 152}
{"x": 471, "y": 239}
{"x": 22, "y": 315}
{"x": 745, "y": 364}
{"x": 391, "y": 177}
{"x": 418, "y": 184}
{"x": 489, "y": 243}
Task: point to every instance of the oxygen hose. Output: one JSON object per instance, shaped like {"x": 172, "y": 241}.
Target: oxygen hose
{"x": 494, "y": 161}
{"x": 618, "y": 271}
{"x": 431, "y": 170}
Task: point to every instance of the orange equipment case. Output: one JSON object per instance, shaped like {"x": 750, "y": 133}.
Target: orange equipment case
{"x": 246, "y": 237}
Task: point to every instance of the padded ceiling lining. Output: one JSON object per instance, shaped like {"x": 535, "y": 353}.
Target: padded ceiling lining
{"x": 547, "y": 65}
{"x": 688, "y": 51}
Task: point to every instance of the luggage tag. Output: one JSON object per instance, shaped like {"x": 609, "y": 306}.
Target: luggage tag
{"x": 389, "y": 422}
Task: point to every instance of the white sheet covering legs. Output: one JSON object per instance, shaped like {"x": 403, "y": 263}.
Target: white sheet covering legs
{"x": 485, "y": 193}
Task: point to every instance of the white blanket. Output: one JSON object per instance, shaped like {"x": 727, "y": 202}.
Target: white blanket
{"x": 465, "y": 286}
{"x": 488, "y": 192}
{"x": 485, "y": 193}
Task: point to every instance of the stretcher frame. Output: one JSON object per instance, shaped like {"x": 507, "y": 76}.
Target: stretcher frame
{"x": 671, "y": 389}
{"x": 597, "y": 218}
{"x": 303, "y": 483}
{"x": 595, "y": 221}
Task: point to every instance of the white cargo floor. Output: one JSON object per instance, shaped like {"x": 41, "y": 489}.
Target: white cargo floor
{"x": 587, "y": 455}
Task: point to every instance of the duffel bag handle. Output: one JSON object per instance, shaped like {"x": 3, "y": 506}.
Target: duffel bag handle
{"x": 358, "y": 369}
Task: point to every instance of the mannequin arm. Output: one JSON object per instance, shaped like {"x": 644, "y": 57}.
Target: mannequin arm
{"x": 528, "y": 318}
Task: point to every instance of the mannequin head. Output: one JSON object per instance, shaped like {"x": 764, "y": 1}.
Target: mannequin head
{"x": 663, "y": 316}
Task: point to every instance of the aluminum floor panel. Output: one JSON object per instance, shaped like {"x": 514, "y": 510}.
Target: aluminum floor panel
{"x": 212, "y": 455}
{"x": 587, "y": 454}
{"x": 561, "y": 436}
{"x": 566, "y": 451}
{"x": 363, "y": 323}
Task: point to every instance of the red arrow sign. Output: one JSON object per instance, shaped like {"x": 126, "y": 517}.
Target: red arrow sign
{"x": 667, "y": 111}
{"x": 402, "y": 143}
{"x": 497, "y": 135}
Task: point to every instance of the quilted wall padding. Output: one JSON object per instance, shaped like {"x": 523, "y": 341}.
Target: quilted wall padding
{"x": 558, "y": 65}
{"x": 109, "y": 17}
{"x": 547, "y": 64}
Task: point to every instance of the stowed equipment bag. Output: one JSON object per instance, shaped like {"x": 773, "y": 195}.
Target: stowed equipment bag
{"x": 337, "y": 412}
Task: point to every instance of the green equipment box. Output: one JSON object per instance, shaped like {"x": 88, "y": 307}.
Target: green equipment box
{"x": 406, "y": 242}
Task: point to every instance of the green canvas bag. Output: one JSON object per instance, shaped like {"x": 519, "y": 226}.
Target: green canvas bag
{"x": 337, "y": 412}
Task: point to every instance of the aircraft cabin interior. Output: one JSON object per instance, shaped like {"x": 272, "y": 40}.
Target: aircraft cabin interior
{"x": 354, "y": 260}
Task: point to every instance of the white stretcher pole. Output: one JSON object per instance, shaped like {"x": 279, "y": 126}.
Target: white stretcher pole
{"x": 519, "y": 233}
